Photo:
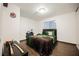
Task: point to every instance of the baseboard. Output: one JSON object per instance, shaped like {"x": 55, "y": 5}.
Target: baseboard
{"x": 67, "y": 43}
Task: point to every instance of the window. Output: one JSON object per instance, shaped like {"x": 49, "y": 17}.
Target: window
{"x": 49, "y": 25}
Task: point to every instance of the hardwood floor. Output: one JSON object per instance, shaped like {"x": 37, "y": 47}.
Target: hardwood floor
{"x": 31, "y": 51}
{"x": 65, "y": 49}
{"x": 61, "y": 49}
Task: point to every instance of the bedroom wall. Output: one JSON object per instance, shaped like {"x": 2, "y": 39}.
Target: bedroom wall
{"x": 77, "y": 15}
{"x": 0, "y": 31}
{"x": 9, "y": 26}
{"x": 27, "y": 24}
{"x": 0, "y": 19}
{"x": 66, "y": 27}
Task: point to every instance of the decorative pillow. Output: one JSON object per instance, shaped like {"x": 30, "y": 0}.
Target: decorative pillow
{"x": 49, "y": 33}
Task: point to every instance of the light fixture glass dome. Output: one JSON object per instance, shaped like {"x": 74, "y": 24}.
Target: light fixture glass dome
{"x": 42, "y": 10}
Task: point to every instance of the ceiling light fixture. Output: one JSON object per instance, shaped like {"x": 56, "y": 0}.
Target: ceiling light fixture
{"x": 42, "y": 10}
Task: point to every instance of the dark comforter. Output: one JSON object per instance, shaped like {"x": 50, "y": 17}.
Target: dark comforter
{"x": 41, "y": 43}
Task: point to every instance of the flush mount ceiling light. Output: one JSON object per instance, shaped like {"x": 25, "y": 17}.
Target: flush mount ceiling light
{"x": 42, "y": 10}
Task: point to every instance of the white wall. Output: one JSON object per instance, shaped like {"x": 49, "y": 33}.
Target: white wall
{"x": 77, "y": 15}
{"x": 10, "y": 26}
{"x": 0, "y": 31}
{"x": 66, "y": 27}
{"x": 0, "y": 19}
{"x": 26, "y": 25}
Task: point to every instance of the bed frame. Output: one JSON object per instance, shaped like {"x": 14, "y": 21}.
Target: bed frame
{"x": 46, "y": 30}
{"x": 35, "y": 44}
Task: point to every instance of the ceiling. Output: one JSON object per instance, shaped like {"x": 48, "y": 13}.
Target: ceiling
{"x": 54, "y": 9}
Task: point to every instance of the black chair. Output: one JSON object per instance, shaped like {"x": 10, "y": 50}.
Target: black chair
{"x": 28, "y": 34}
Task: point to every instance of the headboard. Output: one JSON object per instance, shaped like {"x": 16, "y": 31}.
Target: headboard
{"x": 53, "y": 32}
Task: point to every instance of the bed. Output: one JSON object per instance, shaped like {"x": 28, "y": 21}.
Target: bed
{"x": 43, "y": 43}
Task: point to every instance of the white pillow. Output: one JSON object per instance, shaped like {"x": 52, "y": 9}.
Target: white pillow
{"x": 49, "y": 33}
